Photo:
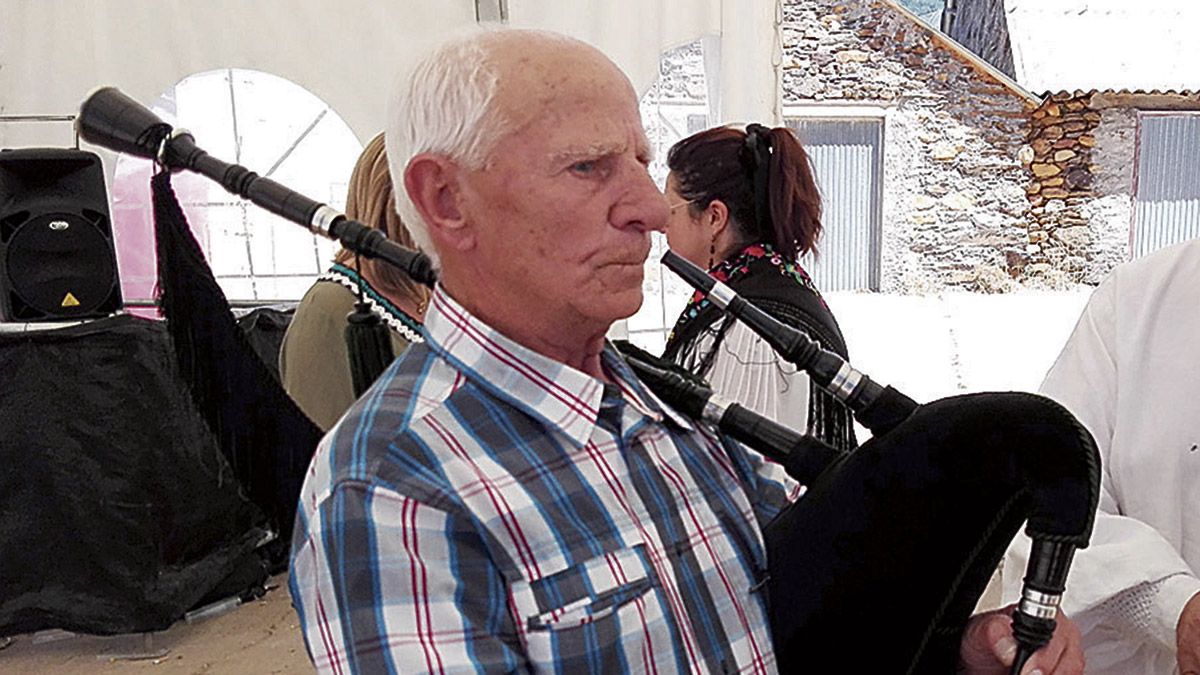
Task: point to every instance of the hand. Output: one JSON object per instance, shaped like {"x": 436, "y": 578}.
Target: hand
{"x": 1187, "y": 637}
{"x": 988, "y": 647}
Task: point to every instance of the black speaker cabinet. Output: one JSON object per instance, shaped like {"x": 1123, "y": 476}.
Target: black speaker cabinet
{"x": 57, "y": 260}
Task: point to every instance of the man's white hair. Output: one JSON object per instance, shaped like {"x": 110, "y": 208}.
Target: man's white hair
{"x": 446, "y": 104}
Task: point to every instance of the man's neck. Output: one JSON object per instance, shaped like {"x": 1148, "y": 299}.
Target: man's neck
{"x": 564, "y": 339}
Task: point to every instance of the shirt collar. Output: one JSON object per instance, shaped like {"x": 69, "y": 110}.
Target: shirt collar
{"x": 638, "y": 394}
{"x": 562, "y": 396}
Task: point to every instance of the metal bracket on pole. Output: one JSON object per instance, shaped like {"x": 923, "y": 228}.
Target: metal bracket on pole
{"x": 492, "y": 11}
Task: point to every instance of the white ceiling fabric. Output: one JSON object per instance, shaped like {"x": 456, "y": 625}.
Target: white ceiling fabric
{"x": 53, "y": 52}
{"x": 632, "y": 32}
{"x": 635, "y": 32}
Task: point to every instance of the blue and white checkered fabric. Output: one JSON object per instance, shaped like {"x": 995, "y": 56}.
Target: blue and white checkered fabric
{"x": 486, "y": 509}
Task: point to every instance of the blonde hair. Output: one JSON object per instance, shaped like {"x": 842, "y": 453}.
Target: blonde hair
{"x": 370, "y": 201}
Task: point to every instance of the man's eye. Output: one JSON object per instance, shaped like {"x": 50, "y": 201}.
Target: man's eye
{"x": 588, "y": 166}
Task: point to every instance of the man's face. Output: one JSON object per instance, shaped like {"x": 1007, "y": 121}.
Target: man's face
{"x": 564, "y": 207}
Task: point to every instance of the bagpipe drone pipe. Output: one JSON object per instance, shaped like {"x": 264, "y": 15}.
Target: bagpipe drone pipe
{"x": 878, "y": 566}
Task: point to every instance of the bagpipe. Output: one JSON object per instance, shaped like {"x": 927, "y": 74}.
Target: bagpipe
{"x": 894, "y": 541}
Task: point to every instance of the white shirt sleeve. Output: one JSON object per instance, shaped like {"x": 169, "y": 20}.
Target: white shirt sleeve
{"x": 1130, "y": 584}
{"x": 747, "y": 370}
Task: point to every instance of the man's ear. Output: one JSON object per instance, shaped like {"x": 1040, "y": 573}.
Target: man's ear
{"x": 432, "y": 183}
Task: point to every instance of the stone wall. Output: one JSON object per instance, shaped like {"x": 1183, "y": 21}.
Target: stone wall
{"x": 1109, "y": 213}
{"x": 1082, "y": 156}
{"x": 955, "y": 207}
{"x": 1062, "y": 136}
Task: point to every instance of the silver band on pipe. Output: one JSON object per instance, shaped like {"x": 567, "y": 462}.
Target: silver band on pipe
{"x": 160, "y": 157}
{"x": 1039, "y": 605}
{"x": 845, "y": 381}
{"x": 323, "y": 219}
{"x": 721, "y": 295}
{"x": 714, "y": 409}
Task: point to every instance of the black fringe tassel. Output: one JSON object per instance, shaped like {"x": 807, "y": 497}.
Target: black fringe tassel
{"x": 263, "y": 435}
{"x": 369, "y": 343}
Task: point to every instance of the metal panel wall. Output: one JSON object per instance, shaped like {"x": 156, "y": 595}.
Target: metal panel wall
{"x": 847, "y": 160}
{"x": 1167, "y": 209}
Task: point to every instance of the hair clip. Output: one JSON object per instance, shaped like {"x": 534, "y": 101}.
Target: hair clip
{"x": 758, "y": 165}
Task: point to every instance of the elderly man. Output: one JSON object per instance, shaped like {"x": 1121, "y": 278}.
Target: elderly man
{"x": 508, "y": 497}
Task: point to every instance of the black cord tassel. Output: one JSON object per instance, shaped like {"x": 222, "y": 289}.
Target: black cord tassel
{"x": 369, "y": 343}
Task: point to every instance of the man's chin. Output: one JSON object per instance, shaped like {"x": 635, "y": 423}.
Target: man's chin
{"x": 634, "y": 304}
{"x": 617, "y": 305}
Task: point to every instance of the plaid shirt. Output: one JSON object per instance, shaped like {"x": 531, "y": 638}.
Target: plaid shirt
{"x": 486, "y": 509}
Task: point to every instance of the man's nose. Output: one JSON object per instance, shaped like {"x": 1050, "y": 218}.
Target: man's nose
{"x": 641, "y": 206}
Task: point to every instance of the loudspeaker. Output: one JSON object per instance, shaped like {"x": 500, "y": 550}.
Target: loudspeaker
{"x": 57, "y": 259}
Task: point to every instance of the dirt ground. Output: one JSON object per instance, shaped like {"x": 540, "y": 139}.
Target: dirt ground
{"x": 259, "y": 637}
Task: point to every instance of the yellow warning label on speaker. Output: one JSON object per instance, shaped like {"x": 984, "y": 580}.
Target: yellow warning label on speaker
{"x": 70, "y": 301}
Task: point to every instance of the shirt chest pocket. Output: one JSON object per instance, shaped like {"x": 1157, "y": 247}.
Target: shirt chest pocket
{"x": 584, "y": 593}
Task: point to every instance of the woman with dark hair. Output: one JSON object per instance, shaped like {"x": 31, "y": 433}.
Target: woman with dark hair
{"x": 314, "y": 361}
{"x": 745, "y": 207}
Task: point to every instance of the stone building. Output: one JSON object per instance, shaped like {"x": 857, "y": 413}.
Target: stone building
{"x": 953, "y": 201}
{"x": 1115, "y": 176}
{"x": 917, "y": 145}
{"x": 1114, "y": 147}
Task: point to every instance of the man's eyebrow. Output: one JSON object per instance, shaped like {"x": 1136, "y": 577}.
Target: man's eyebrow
{"x": 587, "y": 152}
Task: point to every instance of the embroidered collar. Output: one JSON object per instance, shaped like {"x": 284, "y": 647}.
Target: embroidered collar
{"x": 396, "y": 319}
{"x": 561, "y": 396}
{"x": 738, "y": 266}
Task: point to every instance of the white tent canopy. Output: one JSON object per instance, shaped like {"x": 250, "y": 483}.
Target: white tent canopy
{"x": 53, "y": 52}
{"x": 56, "y": 51}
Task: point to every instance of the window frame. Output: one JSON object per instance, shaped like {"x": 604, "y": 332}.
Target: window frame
{"x": 866, "y": 112}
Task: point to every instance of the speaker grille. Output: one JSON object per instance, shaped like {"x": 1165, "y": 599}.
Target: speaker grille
{"x": 54, "y": 262}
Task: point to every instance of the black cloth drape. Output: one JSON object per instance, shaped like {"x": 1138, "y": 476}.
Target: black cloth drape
{"x": 263, "y": 434}
{"x": 264, "y": 328}
{"x": 119, "y": 511}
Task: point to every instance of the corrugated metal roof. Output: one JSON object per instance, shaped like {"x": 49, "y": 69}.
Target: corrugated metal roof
{"x": 1183, "y": 93}
{"x": 1105, "y": 44}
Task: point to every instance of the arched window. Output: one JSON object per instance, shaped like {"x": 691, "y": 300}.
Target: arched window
{"x": 271, "y": 126}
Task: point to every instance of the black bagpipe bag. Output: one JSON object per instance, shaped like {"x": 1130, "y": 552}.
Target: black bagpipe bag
{"x": 877, "y": 568}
